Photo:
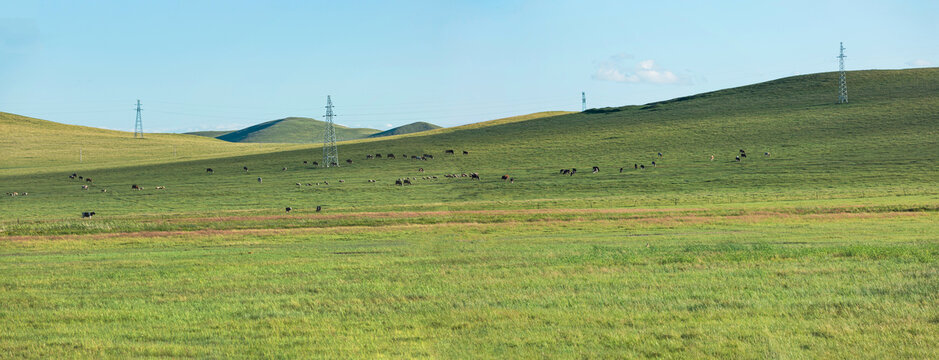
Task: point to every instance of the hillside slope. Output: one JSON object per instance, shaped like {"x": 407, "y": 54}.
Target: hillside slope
{"x": 296, "y": 130}
{"x": 406, "y": 129}
{"x": 41, "y": 145}
{"x": 211, "y": 134}
{"x": 882, "y": 144}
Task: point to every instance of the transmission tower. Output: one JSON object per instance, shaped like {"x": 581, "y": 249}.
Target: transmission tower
{"x": 583, "y": 101}
{"x": 330, "y": 152}
{"x": 843, "y": 91}
{"x": 138, "y": 126}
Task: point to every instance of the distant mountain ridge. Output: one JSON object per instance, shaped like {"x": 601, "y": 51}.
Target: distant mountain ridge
{"x": 406, "y": 129}
{"x": 295, "y": 130}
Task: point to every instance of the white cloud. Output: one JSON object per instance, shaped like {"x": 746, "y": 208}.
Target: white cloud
{"x": 645, "y": 71}
{"x": 920, "y": 63}
{"x": 389, "y": 125}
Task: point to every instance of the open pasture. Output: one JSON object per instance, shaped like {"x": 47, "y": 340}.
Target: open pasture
{"x": 820, "y": 243}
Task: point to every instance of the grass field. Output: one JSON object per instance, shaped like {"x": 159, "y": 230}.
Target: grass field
{"x": 825, "y": 248}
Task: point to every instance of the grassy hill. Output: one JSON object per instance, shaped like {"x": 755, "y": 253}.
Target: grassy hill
{"x": 36, "y": 145}
{"x": 210, "y": 134}
{"x": 406, "y": 129}
{"x": 295, "y": 130}
{"x": 882, "y": 143}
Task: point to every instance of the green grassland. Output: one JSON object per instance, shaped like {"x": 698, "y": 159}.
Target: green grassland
{"x": 296, "y": 130}
{"x": 825, "y": 248}
{"x": 406, "y": 129}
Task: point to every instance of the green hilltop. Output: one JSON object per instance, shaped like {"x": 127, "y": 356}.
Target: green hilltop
{"x": 406, "y": 129}
{"x": 295, "y": 130}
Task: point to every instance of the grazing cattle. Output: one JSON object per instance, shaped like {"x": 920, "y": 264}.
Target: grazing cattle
{"x": 766, "y": 154}
{"x": 448, "y": 152}
{"x": 653, "y": 164}
{"x": 84, "y": 187}
{"x": 88, "y": 179}
{"x": 642, "y": 166}
{"x": 259, "y": 180}
{"x": 427, "y": 156}
{"x": 512, "y": 180}
{"x": 505, "y": 177}
{"x": 71, "y": 177}
{"x": 283, "y": 169}
{"x": 318, "y": 208}
{"x": 74, "y": 175}
{"x": 288, "y": 209}
{"x": 712, "y": 157}
{"x": 88, "y": 214}
{"x": 304, "y": 162}
{"x": 420, "y": 170}
{"x": 620, "y": 170}
{"x": 743, "y": 155}
{"x": 160, "y": 188}
{"x": 465, "y": 152}
{"x": 398, "y": 182}
{"x": 298, "y": 184}
{"x": 209, "y": 170}
{"x": 311, "y": 184}
{"x": 660, "y": 154}
{"x": 738, "y": 158}
{"x": 135, "y": 187}
{"x": 369, "y": 156}
{"x": 325, "y": 182}
{"x": 474, "y": 176}
{"x": 104, "y": 190}
{"x": 596, "y": 169}
{"x": 341, "y": 181}
{"x": 349, "y": 161}
{"x": 378, "y": 156}
{"x": 573, "y": 171}
{"x": 406, "y": 181}
{"x": 391, "y": 156}
{"x": 316, "y": 163}
{"x": 246, "y": 168}
{"x": 81, "y": 178}
{"x": 635, "y": 166}
{"x": 741, "y": 151}
{"x": 333, "y": 164}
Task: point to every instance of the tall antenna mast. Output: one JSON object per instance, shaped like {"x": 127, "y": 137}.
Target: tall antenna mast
{"x": 330, "y": 152}
{"x": 583, "y": 101}
{"x": 843, "y": 91}
{"x": 138, "y": 126}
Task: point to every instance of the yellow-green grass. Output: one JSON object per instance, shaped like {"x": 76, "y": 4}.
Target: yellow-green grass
{"x": 838, "y": 285}
{"x": 38, "y": 146}
{"x": 881, "y": 144}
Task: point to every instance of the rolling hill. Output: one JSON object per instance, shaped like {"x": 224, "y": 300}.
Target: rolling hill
{"x": 406, "y": 129}
{"x": 211, "y": 134}
{"x": 882, "y": 143}
{"x": 295, "y": 130}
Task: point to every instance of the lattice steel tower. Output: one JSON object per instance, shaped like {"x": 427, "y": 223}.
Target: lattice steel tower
{"x": 330, "y": 152}
{"x": 583, "y": 101}
{"x": 843, "y": 91}
{"x": 138, "y": 126}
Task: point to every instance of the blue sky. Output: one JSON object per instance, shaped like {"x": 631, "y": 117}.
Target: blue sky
{"x": 200, "y": 65}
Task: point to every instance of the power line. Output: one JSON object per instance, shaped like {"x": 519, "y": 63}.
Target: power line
{"x": 843, "y": 91}
{"x": 330, "y": 152}
{"x": 138, "y": 125}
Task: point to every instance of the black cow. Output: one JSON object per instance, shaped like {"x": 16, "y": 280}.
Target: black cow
{"x": 378, "y": 156}
{"x": 88, "y": 214}
{"x": 642, "y": 166}
{"x": 474, "y": 176}
{"x": 316, "y": 163}
{"x": 318, "y": 208}
{"x": 289, "y": 209}
{"x": 596, "y": 169}
{"x": 738, "y": 158}
{"x": 653, "y": 164}
{"x": 246, "y": 168}
{"x": 505, "y": 177}
{"x": 448, "y": 152}
{"x": 209, "y": 170}
{"x": 406, "y": 181}
{"x": 349, "y": 161}
{"x": 391, "y": 156}
{"x": 620, "y": 170}
{"x": 465, "y": 152}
